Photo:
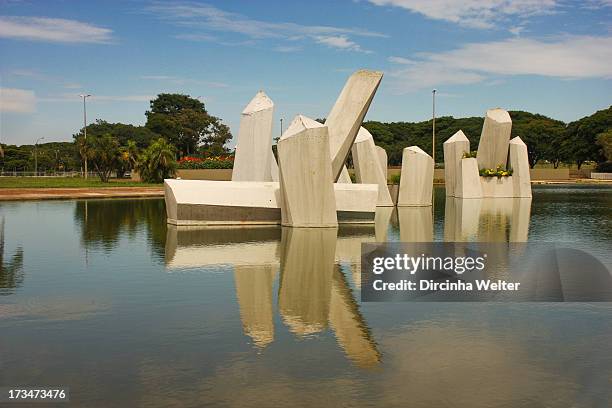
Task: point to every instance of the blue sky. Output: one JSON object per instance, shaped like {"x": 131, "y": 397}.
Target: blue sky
{"x": 548, "y": 56}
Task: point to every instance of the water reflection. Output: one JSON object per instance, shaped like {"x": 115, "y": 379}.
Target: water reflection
{"x": 104, "y": 222}
{"x": 416, "y": 224}
{"x": 487, "y": 219}
{"x": 313, "y": 292}
{"x": 11, "y": 269}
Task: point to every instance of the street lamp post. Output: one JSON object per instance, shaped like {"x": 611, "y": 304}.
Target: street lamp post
{"x": 281, "y": 132}
{"x": 36, "y": 155}
{"x": 433, "y": 130}
{"x": 85, "y": 96}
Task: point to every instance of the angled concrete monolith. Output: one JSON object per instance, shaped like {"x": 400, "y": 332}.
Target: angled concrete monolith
{"x": 367, "y": 166}
{"x": 382, "y": 157}
{"x": 347, "y": 115}
{"x": 494, "y": 139}
{"x": 454, "y": 149}
{"x": 254, "y": 150}
{"x": 307, "y": 189}
{"x": 416, "y": 183}
{"x": 519, "y": 163}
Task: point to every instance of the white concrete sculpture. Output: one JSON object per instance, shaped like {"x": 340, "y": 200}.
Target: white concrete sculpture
{"x": 416, "y": 183}
{"x": 493, "y": 145}
{"x": 345, "y": 177}
{"x": 254, "y": 150}
{"x": 348, "y": 113}
{"x": 204, "y": 202}
{"x": 384, "y": 161}
{"x": 519, "y": 163}
{"x": 468, "y": 182}
{"x": 454, "y": 149}
{"x": 273, "y": 169}
{"x": 306, "y": 183}
{"x": 367, "y": 166}
{"x": 505, "y": 180}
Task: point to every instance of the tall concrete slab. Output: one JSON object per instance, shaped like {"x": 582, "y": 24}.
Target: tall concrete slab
{"x": 494, "y": 139}
{"x": 367, "y": 166}
{"x": 519, "y": 162}
{"x": 307, "y": 189}
{"x": 454, "y": 149}
{"x": 416, "y": 183}
{"x": 348, "y": 113}
{"x": 384, "y": 161}
{"x": 254, "y": 148}
{"x": 468, "y": 183}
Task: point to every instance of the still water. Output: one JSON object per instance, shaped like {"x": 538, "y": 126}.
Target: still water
{"x": 102, "y": 297}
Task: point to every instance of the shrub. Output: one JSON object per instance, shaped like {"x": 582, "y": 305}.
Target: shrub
{"x": 604, "y": 167}
{"x": 499, "y": 172}
{"x": 214, "y": 162}
{"x": 157, "y": 162}
{"x": 395, "y": 178}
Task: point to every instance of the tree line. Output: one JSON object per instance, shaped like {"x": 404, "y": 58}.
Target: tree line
{"x": 548, "y": 140}
{"x": 178, "y": 125}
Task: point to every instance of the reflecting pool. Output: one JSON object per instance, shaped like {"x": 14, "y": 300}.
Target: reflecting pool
{"x": 103, "y": 297}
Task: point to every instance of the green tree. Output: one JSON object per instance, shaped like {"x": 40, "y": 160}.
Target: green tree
{"x": 604, "y": 140}
{"x": 185, "y": 123}
{"x": 582, "y": 136}
{"x": 542, "y": 135}
{"x": 140, "y": 135}
{"x": 103, "y": 154}
{"x": 157, "y": 162}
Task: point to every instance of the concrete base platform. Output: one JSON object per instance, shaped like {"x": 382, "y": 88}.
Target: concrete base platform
{"x": 202, "y": 202}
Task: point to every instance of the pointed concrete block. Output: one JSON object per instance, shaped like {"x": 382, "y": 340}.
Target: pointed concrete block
{"x": 519, "y": 163}
{"x": 468, "y": 180}
{"x": 273, "y": 169}
{"x": 367, "y": 166}
{"x": 345, "y": 177}
{"x": 416, "y": 183}
{"x": 254, "y": 150}
{"x": 382, "y": 158}
{"x": 348, "y": 113}
{"x": 494, "y": 139}
{"x": 454, "y": 149}
{"x": 307, "y": 188}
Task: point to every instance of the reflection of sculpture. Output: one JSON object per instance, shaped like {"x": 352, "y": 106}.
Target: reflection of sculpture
{"x": 306, "y": 175}
{"x": 253, "y": 160}
{"x": 416, "y": 184}
{"x": 313, "y": 293}
{"x": 254, "y": 294}
{"x": 500, "y": 178}
{"x": 195, "y": 202}
{"x": 307, "y": 265}
{"x": 416, "y": 224}
{"x": 367, "y": 166}
{"x": 487, "y": 219}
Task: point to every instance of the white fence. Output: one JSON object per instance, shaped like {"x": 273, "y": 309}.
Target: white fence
{"x": 601, "y": 176}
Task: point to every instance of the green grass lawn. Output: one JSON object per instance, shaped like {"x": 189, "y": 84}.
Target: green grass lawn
{"x": 66, "y": 182}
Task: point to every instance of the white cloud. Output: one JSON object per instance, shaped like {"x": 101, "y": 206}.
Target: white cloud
{"x": 570, "y": 57}
{"x": 209, "y": 18}
{"x": 17, "y": 100}
{"x": 474, "y": 13}
{"x": 52, "y": 30}
{"x": 341, "y": 42}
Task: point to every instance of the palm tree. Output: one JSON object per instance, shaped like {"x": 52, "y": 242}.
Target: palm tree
{"x": 157, "y": 161}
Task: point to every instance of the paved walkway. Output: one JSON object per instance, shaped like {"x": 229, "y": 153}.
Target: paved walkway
{"x": 18, "y": 194}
